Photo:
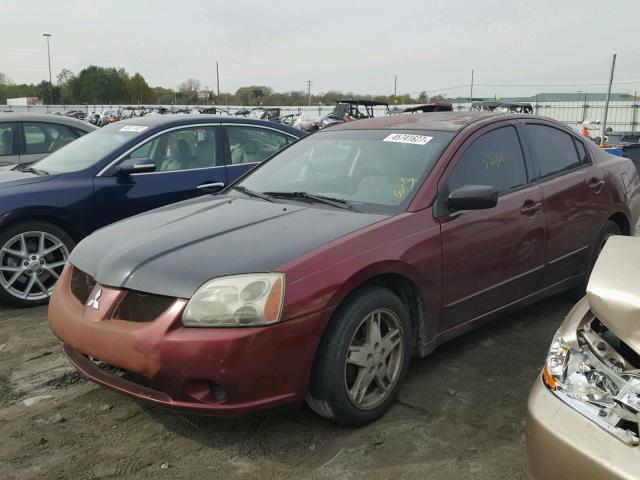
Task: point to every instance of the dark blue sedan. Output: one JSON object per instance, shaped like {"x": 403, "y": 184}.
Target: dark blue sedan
{"x": 115, "y": 172}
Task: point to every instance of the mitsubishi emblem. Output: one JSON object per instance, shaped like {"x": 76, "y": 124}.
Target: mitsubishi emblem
{"x": 95, "y": 301}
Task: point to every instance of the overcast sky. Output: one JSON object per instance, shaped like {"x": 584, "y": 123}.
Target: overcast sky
{"x": 341, "y": 45}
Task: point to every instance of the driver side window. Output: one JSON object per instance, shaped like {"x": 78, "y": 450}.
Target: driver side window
{"x": 494, "y": 159}
{"x": 183, "y": 149}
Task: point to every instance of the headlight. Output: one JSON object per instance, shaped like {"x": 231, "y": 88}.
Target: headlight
{"x": 603, "y": 392}
{"x": 237, "y": 301}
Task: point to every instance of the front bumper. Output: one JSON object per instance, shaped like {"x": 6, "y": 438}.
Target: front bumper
{"x": 562, "y": 443}
{"x": 226, "y": 371}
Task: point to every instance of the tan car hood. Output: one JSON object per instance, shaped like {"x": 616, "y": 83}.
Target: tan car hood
{"x": 613, "y": 291}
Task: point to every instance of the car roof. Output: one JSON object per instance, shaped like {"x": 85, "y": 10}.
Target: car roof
{"x": 442, "y": 121}
{"x": 176, "y": 120}
{"x": 49, "y": 118}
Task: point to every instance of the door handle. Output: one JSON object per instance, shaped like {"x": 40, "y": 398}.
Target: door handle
{"x": 530, "y": 208}
{"x": 206, "y": 186}
{"x": 596, "y": 184}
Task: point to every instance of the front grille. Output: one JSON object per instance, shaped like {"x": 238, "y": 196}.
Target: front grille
{"x": 141, "y": 307}
{"x": 81, "y": 285}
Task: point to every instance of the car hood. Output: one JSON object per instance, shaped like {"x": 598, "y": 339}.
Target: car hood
{"x": 173, "y": 250}
{"x": 11, "y": 178}
{"x": 613, "y": 291}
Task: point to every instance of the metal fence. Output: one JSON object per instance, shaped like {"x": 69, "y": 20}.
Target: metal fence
{"x": 623, "y": 115}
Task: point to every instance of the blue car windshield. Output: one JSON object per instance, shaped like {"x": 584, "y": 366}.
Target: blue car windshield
{"x": 89, "y": 149}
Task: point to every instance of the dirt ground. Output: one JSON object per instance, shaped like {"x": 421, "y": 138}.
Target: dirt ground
{"x": 461, "y": 414}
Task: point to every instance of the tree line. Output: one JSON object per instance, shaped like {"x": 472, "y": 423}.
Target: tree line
{"x": 96, "y": 85}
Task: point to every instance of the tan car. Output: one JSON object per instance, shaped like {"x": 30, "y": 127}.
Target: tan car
{"x": 584, "y": 410}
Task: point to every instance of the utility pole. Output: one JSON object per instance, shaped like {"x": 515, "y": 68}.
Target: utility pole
{"x": 309, "y": 83}
{"x": 218, "y": 77}
{"x": 471, "y": 91}
{"x": 395, "y": 86}
{"x": 603, "y": 127}
{"x": 47, "y": 35}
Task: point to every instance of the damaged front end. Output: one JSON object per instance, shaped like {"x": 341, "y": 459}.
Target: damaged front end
{"x": 593, "y": 364}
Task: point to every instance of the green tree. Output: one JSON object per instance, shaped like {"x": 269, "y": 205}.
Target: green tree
{"x": 100, "y": 85}
{"x": 253, "y": 95}
{"x": 47, "y": 93}
{"x": 138, "y": 90}
{"x": 163, "y": 96}
{"x": 65, "y": 80}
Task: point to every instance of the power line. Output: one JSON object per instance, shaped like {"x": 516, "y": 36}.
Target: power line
{"x": 554, "y": 84}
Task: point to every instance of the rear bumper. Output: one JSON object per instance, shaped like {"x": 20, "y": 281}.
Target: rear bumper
{"x": 562, "y": 443}
{"x": 225, "y": 371}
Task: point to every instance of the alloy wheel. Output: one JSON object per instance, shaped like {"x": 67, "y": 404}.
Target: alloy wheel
{"x": 374, "y": 359}
{"x": 30, "y": 264}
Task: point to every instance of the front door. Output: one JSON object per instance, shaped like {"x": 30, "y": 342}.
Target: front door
{"x": 189, "y": 162}
{"x": 491, "y": 258}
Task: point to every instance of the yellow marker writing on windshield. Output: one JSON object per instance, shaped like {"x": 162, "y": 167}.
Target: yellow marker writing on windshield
{"x": 406, "y": 186}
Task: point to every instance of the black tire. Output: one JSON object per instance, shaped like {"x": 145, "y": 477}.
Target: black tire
{"x": 608, "y": 229}
{"x": 328, "y": 394}
{"x": 51, "y": 231}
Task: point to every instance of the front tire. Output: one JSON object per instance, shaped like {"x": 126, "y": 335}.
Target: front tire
{"x": 32, "y": 255}
{"x": 363, "y": 358}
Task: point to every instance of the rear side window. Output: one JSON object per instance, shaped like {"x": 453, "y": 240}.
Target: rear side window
{"x": 583, "y": 156}
{"x": 554, "y": 150}
{"x": 46, "y": 137}
{"x": 253, "y": 144}
{"x": 494, "y": 159}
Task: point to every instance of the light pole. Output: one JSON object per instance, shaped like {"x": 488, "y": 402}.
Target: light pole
{"x": 47, "y": 35}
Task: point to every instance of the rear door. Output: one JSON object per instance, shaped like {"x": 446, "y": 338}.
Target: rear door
{"x": 248, "y": 145}
{"x": 39, "y": 139}
{"x": 189, "y": 162}
{"x": 491, "y": 258}
{"x": 576, "y": 201}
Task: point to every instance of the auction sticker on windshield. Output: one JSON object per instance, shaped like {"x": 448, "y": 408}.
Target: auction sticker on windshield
{"x": 133, "y": 128}
{"x": 408, "y": 138}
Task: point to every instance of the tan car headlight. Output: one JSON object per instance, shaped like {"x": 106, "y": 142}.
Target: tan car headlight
{"x": 601, "y": 392}
{"x": 246, "y": 300}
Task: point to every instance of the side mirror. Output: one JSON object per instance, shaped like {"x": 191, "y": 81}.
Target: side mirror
{"x": 473, "y": 197}
{"x": 135, "y": 165}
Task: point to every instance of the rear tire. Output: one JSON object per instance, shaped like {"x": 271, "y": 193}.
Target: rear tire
{"x": 363, "y": 358}
{"x": 32, "y": 255}
{"x": 609, "y": 228}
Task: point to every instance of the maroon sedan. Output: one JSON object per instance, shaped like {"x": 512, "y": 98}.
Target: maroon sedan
{"x": 321, "y": 273}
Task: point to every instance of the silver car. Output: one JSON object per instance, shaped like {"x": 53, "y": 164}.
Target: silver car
{"x": 26, "y": 138}
{"x": 584, "y": 410}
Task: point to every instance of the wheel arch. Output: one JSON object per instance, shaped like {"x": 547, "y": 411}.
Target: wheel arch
{"x": 49, "y": 215}
{"x": 620, "y": 219}
{"x": 401, "y": 279}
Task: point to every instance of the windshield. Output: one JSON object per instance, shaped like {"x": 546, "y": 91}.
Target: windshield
{"x": 89, "y": 149}
{"x": 372, "y": 170}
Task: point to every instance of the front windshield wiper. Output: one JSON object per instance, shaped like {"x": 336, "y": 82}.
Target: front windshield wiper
{"x": 25, "y": 167}
{"x": 4, "y": 163}
{"x": 251, "y": 193}
{"x": 334, "y": 202}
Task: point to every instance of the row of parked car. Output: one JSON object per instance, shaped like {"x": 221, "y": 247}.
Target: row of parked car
{"x": 257, "y": 270}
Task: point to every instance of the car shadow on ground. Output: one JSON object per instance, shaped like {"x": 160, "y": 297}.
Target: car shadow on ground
{"x": 465, "y": 401}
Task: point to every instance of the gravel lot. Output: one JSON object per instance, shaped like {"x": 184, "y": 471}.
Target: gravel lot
{"x": 460, "y": 415}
